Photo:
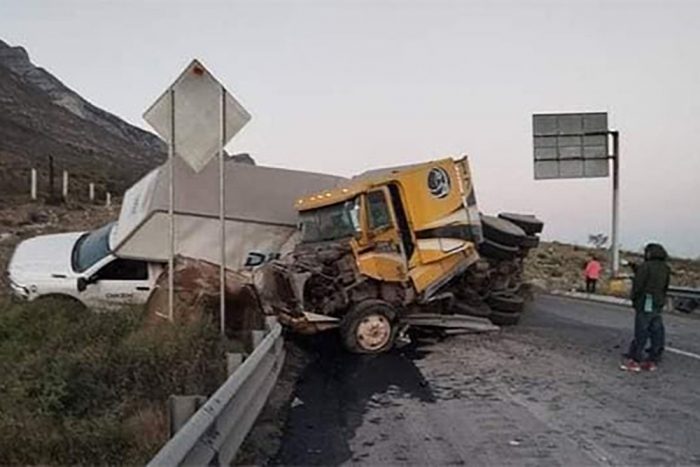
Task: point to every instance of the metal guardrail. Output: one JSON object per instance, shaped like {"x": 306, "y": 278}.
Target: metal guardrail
{"x": 683, "y": 292}
{"x": 213, "y": 435}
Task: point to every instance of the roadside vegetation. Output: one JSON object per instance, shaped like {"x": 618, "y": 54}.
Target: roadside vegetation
{"x": 559, "y": 266}
{"x": 78, "y": 387}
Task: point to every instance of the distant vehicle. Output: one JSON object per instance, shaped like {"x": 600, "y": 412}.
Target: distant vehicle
{"x": 686, "y": 304}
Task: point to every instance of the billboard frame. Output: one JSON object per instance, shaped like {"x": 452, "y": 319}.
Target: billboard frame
{"x": 613, "y": 137}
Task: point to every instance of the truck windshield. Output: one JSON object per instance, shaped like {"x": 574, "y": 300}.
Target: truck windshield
{"x": 91, "y": 247}
{"x": 332, "y": 222}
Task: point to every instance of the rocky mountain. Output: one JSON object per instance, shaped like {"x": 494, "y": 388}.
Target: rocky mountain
{"x": 40, "y": 116}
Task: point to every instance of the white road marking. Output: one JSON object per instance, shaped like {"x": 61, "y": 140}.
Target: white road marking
{"x": 683, "y": 352}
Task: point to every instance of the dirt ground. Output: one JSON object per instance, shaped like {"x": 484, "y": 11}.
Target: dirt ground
{"x": 559, "y": 266}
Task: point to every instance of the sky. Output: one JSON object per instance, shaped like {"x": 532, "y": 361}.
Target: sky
{"x": 346, "y": 86}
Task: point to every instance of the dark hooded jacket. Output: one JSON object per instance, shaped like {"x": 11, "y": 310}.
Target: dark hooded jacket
{"x": 651, "y": 277}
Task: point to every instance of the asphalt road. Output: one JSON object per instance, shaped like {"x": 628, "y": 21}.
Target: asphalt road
{"x": 546, "y": 392}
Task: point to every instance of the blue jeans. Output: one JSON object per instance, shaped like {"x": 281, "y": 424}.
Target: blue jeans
{"x": 647, "y": 326}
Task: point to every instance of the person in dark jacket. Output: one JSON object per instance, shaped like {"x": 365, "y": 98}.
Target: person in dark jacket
{"x": 651, "y": 280}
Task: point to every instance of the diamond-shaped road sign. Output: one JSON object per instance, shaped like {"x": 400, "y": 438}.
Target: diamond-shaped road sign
{"x": 197, "y": 95}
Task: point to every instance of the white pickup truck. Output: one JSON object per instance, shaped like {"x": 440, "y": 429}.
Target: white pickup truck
{"x": 80, "y": 266}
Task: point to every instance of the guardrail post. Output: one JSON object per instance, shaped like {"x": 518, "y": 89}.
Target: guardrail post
{"x": 180, "y": 409}
{"x": 233, "y": 361}
{"x": 213, "y": 435}
{"x": 32, "y": 186}
{"x": 256, "y": 337}
{"x": 64, "y": 185}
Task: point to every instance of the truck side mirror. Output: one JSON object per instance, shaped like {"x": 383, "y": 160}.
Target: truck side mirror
{"x": 83, "y": 282}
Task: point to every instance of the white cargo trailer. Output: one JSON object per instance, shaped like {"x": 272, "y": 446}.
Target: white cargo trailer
{"x": 260, "y": 214}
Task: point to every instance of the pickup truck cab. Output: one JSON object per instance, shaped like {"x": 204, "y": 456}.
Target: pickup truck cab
{"x": 82, "y": 267}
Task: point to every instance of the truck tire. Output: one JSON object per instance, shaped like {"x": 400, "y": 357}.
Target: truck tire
{"x": 369, "y": 327}
{"x": 502, "y": 231}
{"x": 495, "y": 250}
{"x": 529, "y": 223}
{"x": 61, "y": 300}
{"x": 530, "y": 241}
{"x": 504, "y": 319}
{"x": 506, "y": 303}
{"x": 461, "y": 308}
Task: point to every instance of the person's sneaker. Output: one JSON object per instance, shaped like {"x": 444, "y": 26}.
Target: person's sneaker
{"x": 631, "y": 365}
{"x": 649, "y": 366}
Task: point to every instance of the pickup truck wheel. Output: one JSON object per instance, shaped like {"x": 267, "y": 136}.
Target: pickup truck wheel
{"x": 502, "y": 231}
{"x": 529, "y": 223}
{"x": 369, "y": 327}
{"x": 506, "y": 303}
{"x": 495, "y": 250}
{"x": 60, "y": 300}
{"x": 504, "y": 319}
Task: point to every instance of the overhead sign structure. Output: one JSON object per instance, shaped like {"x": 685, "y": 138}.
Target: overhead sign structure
{"x": 197, "y": 117}
{"x": 575, "y": 145}
{"x": 570, "y": 145}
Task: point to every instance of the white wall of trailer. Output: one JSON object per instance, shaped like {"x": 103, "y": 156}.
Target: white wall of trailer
{"x": 248, "y": 244}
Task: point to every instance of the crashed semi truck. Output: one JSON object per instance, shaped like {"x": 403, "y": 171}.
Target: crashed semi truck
{"x": 394, "y": 243}
{"x": 361, "y": 254}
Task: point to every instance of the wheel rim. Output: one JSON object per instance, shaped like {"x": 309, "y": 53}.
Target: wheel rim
{"x": 373, "y": 332}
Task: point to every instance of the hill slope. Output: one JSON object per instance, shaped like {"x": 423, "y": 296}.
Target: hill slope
{"x": 40, "y": 116}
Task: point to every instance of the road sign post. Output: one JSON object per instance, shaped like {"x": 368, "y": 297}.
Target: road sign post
{"x": 616, "y": 204}
{"x": 575, "y": 145}
{"x": 197, "y": 117}
{"x": 222, "y": 218}
{"x": 171, "y": 206}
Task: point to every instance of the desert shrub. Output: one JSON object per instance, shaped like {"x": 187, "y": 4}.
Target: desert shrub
{"x": 78, "y": 387}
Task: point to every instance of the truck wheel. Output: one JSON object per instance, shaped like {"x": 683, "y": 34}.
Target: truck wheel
{"x": 494, "y": 250}
{"x": 369, "y": 327}
{"x": 504, "y": 319}
{"x": 507, "y": 303}
{"x": 60, "y": 300}
{"x": 502, "y": 231}
{"x": 529, "y": 223}
{"x": 530, "y": 241}
{"x": 482, "y": 310}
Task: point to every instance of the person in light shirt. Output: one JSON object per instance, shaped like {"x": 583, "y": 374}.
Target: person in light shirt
{"x": 592, "y": 273}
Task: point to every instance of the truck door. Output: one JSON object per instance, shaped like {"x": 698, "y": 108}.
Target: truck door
{"x": 119, "y": 282}
{"x": 384, "y": 257}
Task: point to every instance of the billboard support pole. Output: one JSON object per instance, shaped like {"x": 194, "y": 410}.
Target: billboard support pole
{"x": 222, "y": 218}
{"x": 616, "y": 204}
{"x": 171, "y": 209}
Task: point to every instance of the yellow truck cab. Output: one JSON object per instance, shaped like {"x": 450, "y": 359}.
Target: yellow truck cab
{"x": 377, "y": 248}
{"x": 416, "y": 225}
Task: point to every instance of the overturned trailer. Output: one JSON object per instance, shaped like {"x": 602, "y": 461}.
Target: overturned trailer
{"x": 259, "y": 212}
